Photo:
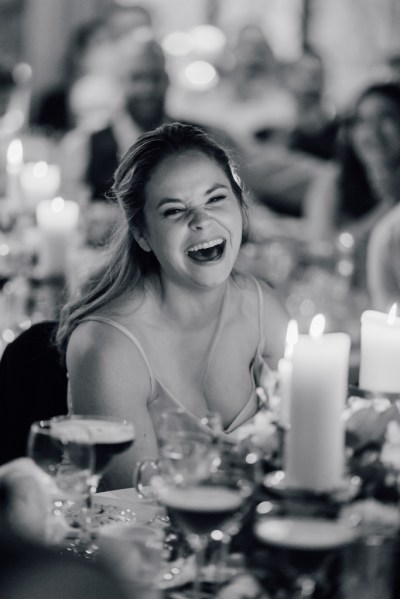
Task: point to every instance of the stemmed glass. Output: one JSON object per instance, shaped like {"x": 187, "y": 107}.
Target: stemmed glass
{"x": 173, "y": 424}
{"x": 67, "y": 456}
{"x": 108, "y": 436}
{"x": 209, "y": 491}
{"x": 304, "y": 548}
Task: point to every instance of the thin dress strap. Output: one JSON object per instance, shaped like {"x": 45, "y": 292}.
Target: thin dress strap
{"x": 260, "y": 313}
{"x": 134, "y": 340}
{"x": 214, "y": 339}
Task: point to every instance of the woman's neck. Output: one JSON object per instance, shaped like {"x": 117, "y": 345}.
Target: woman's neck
{"x": 188, "y": 307}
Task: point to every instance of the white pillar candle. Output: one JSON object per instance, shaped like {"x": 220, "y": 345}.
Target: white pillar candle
{"x": 39, "y": 181}
{"x": 380, "y": 351}
{"x": 314, "y": 449}
{"x": 57, "y": 221}
{"x": 285, "y": 368}
{"x": 14, "y": 166}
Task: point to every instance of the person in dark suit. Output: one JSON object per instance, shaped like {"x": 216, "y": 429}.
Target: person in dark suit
{"x": 144, "y": 80}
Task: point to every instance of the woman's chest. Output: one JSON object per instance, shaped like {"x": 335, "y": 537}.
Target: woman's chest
{"x": 206, "y": 373}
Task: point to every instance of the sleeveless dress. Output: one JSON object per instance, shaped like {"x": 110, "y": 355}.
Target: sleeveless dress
{"x": 162, "y": 399}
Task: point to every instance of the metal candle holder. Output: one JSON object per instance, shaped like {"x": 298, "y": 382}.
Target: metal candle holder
{"x": 356, "y": 391}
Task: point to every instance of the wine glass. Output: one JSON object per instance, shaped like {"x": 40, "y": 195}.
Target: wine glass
{"x": 304, "y": 549}
{"x": 173, "y": 425}
{"x": 109, "y": 437}
{"x": 207, "y": 494}
{"x": 67, "y": 456}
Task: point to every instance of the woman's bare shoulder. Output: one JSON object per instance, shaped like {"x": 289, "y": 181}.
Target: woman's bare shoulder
{"x": 106, "y": 354}
{"x": 90, "y": 337}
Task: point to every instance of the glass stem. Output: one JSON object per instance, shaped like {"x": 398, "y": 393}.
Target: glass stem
{"x": 197, "y": 583}
{"x": 199, "y": 545}
{"x": 220, "y": 561}
{"x": 87, "y": 506}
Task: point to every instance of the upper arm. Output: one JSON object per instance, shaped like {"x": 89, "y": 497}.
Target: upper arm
{"x": 109, "y": 377}
{"x": 275, "y": 325}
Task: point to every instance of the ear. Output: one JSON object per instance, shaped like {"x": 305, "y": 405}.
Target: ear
{"x": 141, "y": 240}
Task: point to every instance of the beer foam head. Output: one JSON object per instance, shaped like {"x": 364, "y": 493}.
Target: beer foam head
{"x": 205, "y": 499}
{"x": 304, "y": 533}
{"x": 95, "y": 431}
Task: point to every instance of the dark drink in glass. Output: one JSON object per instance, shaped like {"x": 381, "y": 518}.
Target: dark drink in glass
{"x": 108, "y": 437}
{"x": 200, "y": 509}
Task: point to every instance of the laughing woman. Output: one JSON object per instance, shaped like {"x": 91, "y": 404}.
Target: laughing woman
{"x": 166, "y": 322}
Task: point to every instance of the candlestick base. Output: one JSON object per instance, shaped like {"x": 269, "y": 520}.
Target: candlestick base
{"x": 276, "y": 484}
{"x": 356, "y": 391}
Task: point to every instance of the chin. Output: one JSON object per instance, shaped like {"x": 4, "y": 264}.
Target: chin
{"x": 212, "y": 280}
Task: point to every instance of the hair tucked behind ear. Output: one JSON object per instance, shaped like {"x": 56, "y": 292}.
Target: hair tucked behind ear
{"x": 125, "y": 265}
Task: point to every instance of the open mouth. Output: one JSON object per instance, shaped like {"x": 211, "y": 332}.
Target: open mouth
{"x": 208, "y": 251}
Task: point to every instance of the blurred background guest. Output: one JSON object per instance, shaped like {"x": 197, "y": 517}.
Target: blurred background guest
{"x": 251, "y": 95}
{"x": 138, "y": 104}
{"x": 364, "y": 186}
{"x": 383, "y": 264}
{"x": 124, "y": 19}
{"x": 87, "y": 52}
{"x": 316, "y": 126}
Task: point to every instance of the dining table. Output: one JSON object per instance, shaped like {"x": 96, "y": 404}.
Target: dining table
{"x": 364, "y": 567}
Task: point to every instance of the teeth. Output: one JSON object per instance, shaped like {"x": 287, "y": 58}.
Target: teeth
{"x": 205, "y": 245}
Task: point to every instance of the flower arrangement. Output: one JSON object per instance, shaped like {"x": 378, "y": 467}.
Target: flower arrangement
{"x": 373, "y": 447}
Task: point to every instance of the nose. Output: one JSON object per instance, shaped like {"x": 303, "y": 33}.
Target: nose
{"x": 199, "y": 218}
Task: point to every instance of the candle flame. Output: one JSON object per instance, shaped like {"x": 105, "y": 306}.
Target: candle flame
{"x": 292, "y": 335}
{"x": 58, "y": 204}
{"x": 392, "y": 314}
{"x": 14, "y": 153}
{"x": 40, "y": 169}
{"x": 317, "y": 326}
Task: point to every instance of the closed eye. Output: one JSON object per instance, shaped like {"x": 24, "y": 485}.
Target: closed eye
{"x": 173, "y": 212}
{"x": 216, "y": 199}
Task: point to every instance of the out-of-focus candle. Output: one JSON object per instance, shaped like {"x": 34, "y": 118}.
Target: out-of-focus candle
{"x": 57, "y": 221}
{"x": 14, "y": 166}
{"x": 380, "y": 351}
{"x": 39, "y": 181}
{"x": 314, "y": 451}
{"x": 285, "y": 368}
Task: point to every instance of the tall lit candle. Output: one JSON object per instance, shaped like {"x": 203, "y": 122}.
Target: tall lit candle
{"x": 285, "y": 368}
{"x": 39, "y": 181}
{"x": 314, "y": 451}
{"x": 14, "y": 166}
{"x": 380, "y": 351}
{"x": 57, "y": 221}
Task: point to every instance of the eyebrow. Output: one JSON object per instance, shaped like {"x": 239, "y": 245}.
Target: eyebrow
{"x": 177, "y": 200}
